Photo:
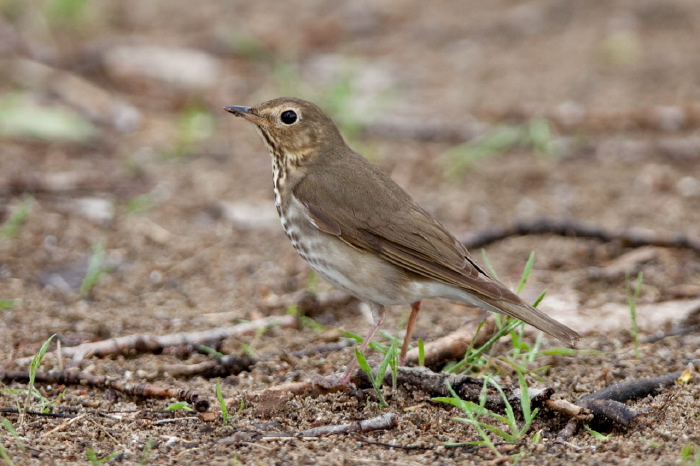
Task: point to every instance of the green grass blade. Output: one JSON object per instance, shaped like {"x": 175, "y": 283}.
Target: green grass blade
{"x": 381, "y": 370}
{"x": 95, "y": 269}
{"x": 222, "y": 402}
{"x": 510, "y": 415}
{"x": 524, "y": 395}
{"x": 539, "y": 298}
{"x": 473, "y": 418}
{"x": 210, "y": 351}
{"x": 597, "y": 435}
{"x": 5, "y": 456}
{"x": 147, "y": 450}
{"x": 376, "y": 381}
{"x": 501, "y": 433}
{"x": 6, "y": 304}
{"x": 179, "y": 405}
{"x": 486, "y": 346}
{"x": 11, "y": 429}
{"x": 359, "y": 339}
{"x": 33, "y": 368}
{"x": 13, "y": 225}
{"x": 364, "y": 365}
{"x": 526, "y": 271}
{"x": 421, "y": 352}
{"x": 488, "y": 264}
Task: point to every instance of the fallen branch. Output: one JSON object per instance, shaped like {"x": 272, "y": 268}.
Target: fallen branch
{"x": 634, "y": 237}
{"x": 634, "y": 389}
{"x": 578, "y": 413}
{"x": 383, "y": 422}
{"x": 660, "y": 335}
{"x": 423, "y": 379}
{"x": 219, "y": 367}
{"x": 607, "y": 405}
{"x": 146, "y": 390}
{"x": 8, "y": 410}
{"x": 420, "y": 378}
{"x": 145, "y": 343}
{"x": 607, "y": 412}
{"x": 393, "y": 445}
{"x": 599, "y": 408}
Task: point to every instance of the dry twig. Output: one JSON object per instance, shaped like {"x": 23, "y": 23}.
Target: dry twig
{"x": 219, "y": 367}
{"x": 82, "y": 378}
{"x": 578, "y": 413}
{"x": 383, "y": 422}
{"x": 607, "y": 405}
{"x": 634, "y": 237}
{"x": 634, "y": 389}
{"x": 324, "y": 348}
{"x": 144, "y": 343}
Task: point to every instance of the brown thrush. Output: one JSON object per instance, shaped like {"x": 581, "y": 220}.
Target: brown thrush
{"x": 362, "y": 232}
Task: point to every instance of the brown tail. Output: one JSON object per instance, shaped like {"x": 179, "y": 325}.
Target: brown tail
{"x": 536, "y": 318}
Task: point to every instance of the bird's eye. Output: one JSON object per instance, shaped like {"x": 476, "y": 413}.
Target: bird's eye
{"x": 288, "y": 117}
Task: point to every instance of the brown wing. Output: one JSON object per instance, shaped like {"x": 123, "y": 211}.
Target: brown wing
{"x": 371, "y": 212}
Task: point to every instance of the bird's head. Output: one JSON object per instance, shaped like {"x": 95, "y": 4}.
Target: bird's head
{"x": 293, "y": 130}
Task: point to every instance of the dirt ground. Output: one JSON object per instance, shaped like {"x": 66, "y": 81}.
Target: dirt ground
{"x": 113, "y": 134}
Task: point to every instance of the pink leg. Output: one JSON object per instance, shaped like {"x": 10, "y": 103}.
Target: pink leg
{"x": 415, "y": 307}
{"x": 344, "y": 380}
{"x": 378, "y": 317}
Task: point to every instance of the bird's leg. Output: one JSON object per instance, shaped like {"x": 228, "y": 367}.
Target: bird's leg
{"x": 378, "y": 318}
{"x": 344, "y": 380}
{"x": 415, "y": 307}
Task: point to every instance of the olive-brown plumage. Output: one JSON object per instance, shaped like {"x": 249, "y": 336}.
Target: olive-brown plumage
{"x": 361, "y": 231}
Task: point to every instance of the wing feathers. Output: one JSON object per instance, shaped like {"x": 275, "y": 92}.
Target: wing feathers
{"x": 322, "y": 221}
{"x": 403, "y": 233}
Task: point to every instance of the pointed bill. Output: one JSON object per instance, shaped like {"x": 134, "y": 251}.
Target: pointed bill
{"x": 247, "y": 113}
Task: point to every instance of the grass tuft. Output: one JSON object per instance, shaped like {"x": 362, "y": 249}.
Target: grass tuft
{"x": 222, "y": 402}
{"x": 512, "y": 433}
{"x": 94, "y": 460}
{"x": 95, "y": 269}
{"x": 13, "y": 225}
{"x": 33, "y": 368}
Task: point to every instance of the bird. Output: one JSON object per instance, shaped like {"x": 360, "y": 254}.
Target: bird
{"x": 363, "y": 233}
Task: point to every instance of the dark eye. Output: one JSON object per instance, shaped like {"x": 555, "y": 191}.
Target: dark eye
{"x": 288, "y": 117}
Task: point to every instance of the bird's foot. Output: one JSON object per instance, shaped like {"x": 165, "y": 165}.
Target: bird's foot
{"x": 333, "y": 384}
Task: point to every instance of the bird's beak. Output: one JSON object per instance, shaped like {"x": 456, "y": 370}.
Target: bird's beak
{"x": 246, "y": 112}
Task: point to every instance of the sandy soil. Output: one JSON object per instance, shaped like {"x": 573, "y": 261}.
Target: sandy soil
{"x": 113, "y": 133}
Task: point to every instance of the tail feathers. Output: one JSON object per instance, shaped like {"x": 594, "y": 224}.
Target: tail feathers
{"x": 534, "y": 317}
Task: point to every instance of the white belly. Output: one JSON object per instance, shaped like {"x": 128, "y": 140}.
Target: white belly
{"x": 364, "y": 275}
{"x": 361, "y": 274}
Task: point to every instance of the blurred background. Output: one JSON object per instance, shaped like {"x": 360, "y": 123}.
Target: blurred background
{"x": 117, "y": 155}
